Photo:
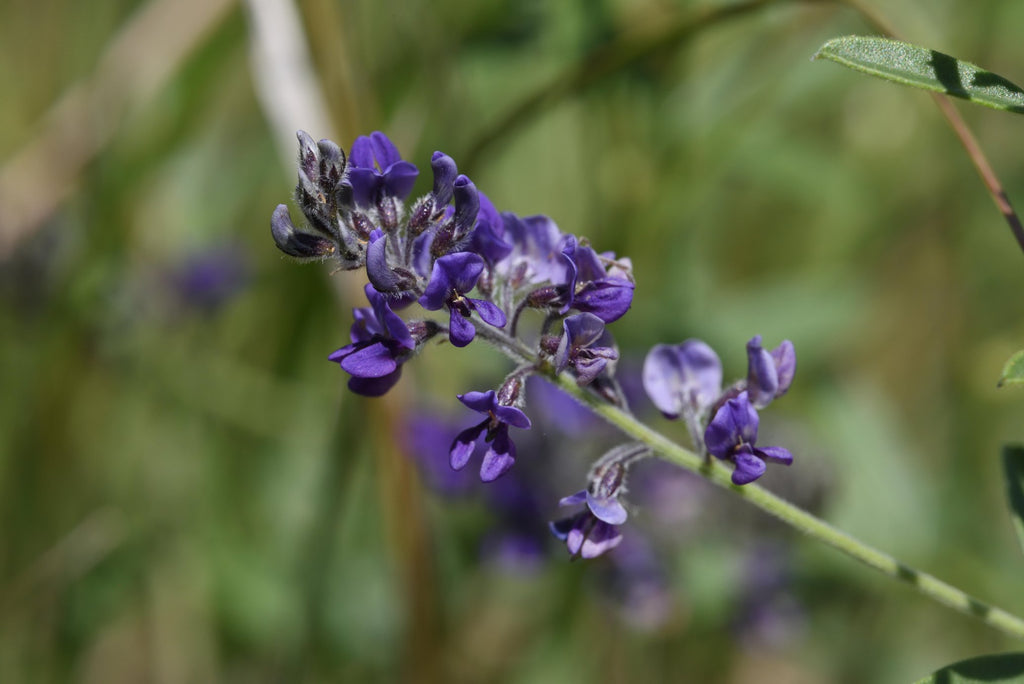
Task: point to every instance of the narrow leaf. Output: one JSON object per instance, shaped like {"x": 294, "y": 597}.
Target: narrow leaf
{"x": 1005, "y": 667}
{"x": 1013, "y": 468}
{"x": 1013, "y": 371}
{"x": 923, "y": 68}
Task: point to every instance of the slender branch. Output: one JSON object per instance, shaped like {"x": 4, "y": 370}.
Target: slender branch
{"x": 803, "y": 521}
{"x": 812, "y": 526}
{"x": 960, "y": 128}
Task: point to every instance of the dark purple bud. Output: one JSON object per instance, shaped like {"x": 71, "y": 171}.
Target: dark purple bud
{"x": 295, "y": 243}
{"x": 421, "y": 216}
{"x": 510, "y": 390}
{"x": 684, "y": 377}
{"x": 388, "y": 212}
{"x": 445, "y": 172}
{"x": 362, "y": 225}
{"x": 309, "y": 155}
{"x": 467, "y": 206}
{"x": 381, "y": 275}
{"x": 332, "y": 163}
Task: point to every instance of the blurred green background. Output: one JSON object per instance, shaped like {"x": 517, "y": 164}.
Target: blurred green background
{"x": 189, "y": 494}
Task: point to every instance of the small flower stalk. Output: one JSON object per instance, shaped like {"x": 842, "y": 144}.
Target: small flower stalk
{"x": 469, "y": 271}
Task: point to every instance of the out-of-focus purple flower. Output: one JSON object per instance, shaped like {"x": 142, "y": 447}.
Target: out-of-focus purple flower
{"x": 593, "y": 530}
{"x": 593, "y": 288}
{"x": 451, "y": 278}
{"x": 639, "y": 585}
{"x": 426, "y": 438}
{"x": 731, "y": 435}
{"x": 208, "y": 279}
{"x": 381, "y": 343}
{"x": 769, "y": 373}
{"x": 515, "y": 552}
{"x": 768, "y": 614}
{"x": 682, "y": 378}
{"x": 586, "y": 346}
{"x": 376, "y": 169}
{"x": 502, "y": 451}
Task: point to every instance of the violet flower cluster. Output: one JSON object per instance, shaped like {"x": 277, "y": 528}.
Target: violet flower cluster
{"x": 452, "y": 252}
{"x": 685, "y": 380}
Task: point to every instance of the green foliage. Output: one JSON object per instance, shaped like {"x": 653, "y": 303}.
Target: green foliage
{"x": 1013, "y": 467}
{"x": 1013, "y": 371}
{"x": 920, "y": 67}
{"x": 990, "y": 669}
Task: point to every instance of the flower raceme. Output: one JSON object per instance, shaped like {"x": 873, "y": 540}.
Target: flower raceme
{"x": 685, "y": 380}
{"x": 451, "y": 250}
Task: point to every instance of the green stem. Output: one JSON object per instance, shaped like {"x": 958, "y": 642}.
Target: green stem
{"x": 812, "y": 526}
{"x": 803, "y": 521}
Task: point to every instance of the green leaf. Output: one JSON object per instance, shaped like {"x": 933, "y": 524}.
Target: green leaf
{"x": 1013, "y": 468}
{"x": 1013, "y": 371}
{"x": 1005, "y": 667}
{"x": 923, "y": 68}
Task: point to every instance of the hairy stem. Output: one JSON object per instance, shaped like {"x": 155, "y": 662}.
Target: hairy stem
{"x": 810, "y": 525}
{"x": 803, "y": 521}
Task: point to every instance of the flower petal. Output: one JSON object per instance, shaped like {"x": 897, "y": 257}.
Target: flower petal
{"x": 499, "y": 458}
{"x": 510, "y": 415}
{"x": 603, "y": 537}
{"x": 775, "y": 454}
{"x": 762, "y": 376}
{"x": 784, "y": 357}
{"x": 481, "y": 402}
{"x": 460, "y": 330}
{"x": 489, "y": 312}
{"x": 687, "y": 375}
{"x": 400, "y": 178}
{"x": 609, "y": 510}
{"x": 464, "y": 446}
{"x": 374, "y": 387}
{"x": 748, "y": 468}
{"x": 574, "y": 499}
{"x": 373, "y": 361}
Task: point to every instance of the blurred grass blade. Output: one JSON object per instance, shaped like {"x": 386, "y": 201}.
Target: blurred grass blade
{"x": 1005, "y": 667}
{"x": 920, "y": 67}
{"x": 1013, "y": 467}
{"x": 1013, "y": 371}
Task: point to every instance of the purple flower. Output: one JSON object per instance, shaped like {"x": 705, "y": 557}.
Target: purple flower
{"x": 381, "y": 343}
{"x": 536, "y": 244}
{"x": 488, "y": 237}
{"x": 586, "y": 346}
{"x": 590, "y": 287}
{"x": 769, "y": 374}
{"x": 731, "y": 435}
{"x": 502, "y": 452}
{"x": 451, "y": 278}
{"x": 593, "y": 530}
{"x": 376, "y": 169}
{"x": 682, "y": 378}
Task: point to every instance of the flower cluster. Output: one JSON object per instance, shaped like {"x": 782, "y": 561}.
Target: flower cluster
{"x": 685, "y": 380}
{"x": 451, "y": 251}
